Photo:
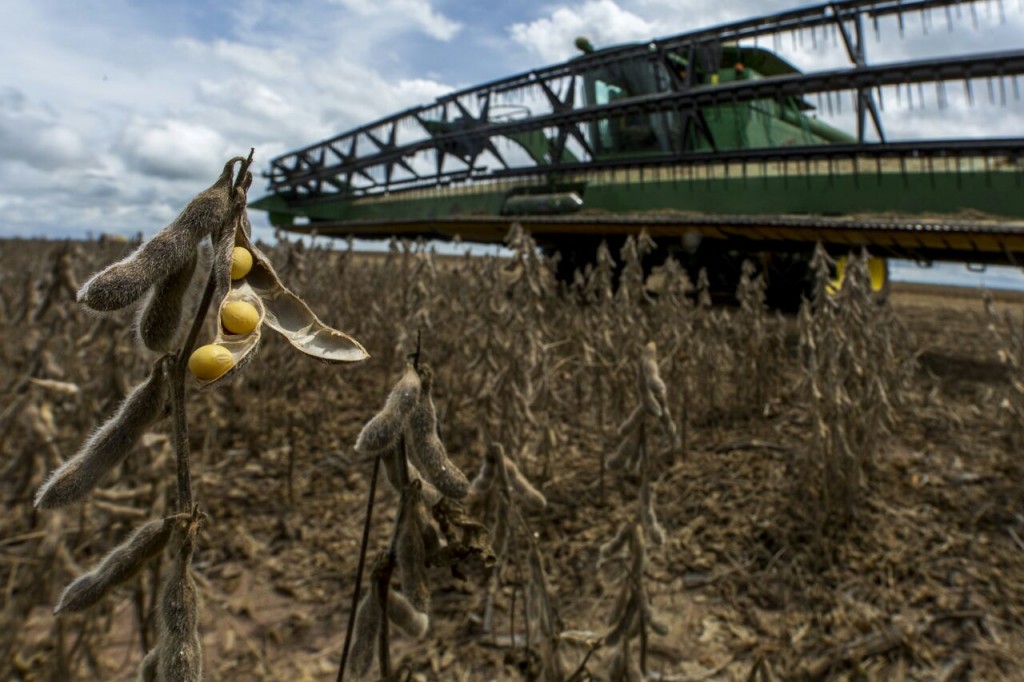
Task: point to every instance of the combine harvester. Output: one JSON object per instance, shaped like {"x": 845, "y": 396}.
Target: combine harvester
{"x": 706, "y": 140}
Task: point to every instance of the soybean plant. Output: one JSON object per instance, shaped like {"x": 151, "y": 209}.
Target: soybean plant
{"x": 404, "y": 437}
{"x": 633, "y": 616}
{"x": 206, "y": 247}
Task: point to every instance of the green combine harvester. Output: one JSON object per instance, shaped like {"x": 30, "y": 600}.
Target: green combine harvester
{"x": 706, "y": 140}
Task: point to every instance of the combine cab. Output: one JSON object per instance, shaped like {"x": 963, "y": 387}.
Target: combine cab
{"x": 709, "y": 142}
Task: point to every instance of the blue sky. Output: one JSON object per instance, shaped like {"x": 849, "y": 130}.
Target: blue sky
{"x": 113, "y": 113}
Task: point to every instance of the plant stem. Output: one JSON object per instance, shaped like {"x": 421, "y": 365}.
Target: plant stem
{"x": 359, "y": 569}
{"x": 383, "y": 582}
{"x": 385, "y": 569}
{"x": 179, "y": 414}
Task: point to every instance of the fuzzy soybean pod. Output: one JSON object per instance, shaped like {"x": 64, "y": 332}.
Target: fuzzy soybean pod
{"x": 149, "y": 669}
{"x": 179, "y": 649}
{"x": 653, "y": 390}
{"x": 625, "y": 617}
{"x": 651, "y": 618}
{"x": 649, "y": 518}
{"x": 364, "y": 638}
{"x": 393, "y": 460}
{"x": 632, "y": 422}
{"x": 530, "y": 497}
{"x": 647, "y": 396}
{"x": 107, "y": 446}
{"x": 627, "y": 452}
{"x": 410, "y": 549}
{"x": 609, "y": 549}
{"x": 123, "y": 283}
{"x": 227, "y": 237}
{"x": 160, "y": 318}
{"x": 625, "y": 667}
{"x": 402, "y": 613}
{"x": 484, "y": 479}
{"x": 119, "y": 565}
{"x": 385, "y": 427}
{"x": 426, "y": 450}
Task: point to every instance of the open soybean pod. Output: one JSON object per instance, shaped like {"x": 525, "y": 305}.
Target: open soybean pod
{"x": 230, "y": 352}
{"x": 289, "y": 315}
{"x": 231, "y": 239}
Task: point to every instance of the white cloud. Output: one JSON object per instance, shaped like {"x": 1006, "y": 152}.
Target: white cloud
{"x": 421, "y": 13}
{"x": 173, "y": 149}
{"x": 35, "y": 135}
{"x": 112, "y": 124}
{"x": 602, "y": 21}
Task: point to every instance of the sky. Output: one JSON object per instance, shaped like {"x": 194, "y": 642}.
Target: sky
{"x": 113, "y": 113}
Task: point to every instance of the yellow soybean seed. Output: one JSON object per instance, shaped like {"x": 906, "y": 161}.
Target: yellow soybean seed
{"x": 210, "y": 361}
{"x": 241, "y": 262}
{"x": 239, "y": 317}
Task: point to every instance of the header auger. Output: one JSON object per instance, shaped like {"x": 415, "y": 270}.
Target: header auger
{"x": 706, "y": 139}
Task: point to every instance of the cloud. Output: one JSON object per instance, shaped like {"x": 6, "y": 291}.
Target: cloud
{"x": 114, "y": 123}
{"x": 422, "y": 15}
{"x": 173, "y": 149}
{"x": 35, "y": 136}
{"x": 602, "y": 21}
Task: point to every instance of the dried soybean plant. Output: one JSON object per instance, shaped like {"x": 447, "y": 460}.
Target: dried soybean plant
{"x": 756, "y": 369}
{"x": 404, "y": 438}
{"x": 510, "y": 357}
{"x": 633, "y": 616}
{"x": 501, "y": 496}
{"x": 633, "y": 452}
{"x": 158, "y": 279}
{"x": 855, "y": 365}
{"x": 1009, "y": 333}
{"x": 713, "y": 356}
{"x": 672, "y": 318}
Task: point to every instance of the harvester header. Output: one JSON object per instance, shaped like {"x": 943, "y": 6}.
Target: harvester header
{"x": 709, "y": 138}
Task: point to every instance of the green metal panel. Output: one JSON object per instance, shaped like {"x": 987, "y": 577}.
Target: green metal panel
{"x": 717, "y": 191}
{"x": 998, "y": 194}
